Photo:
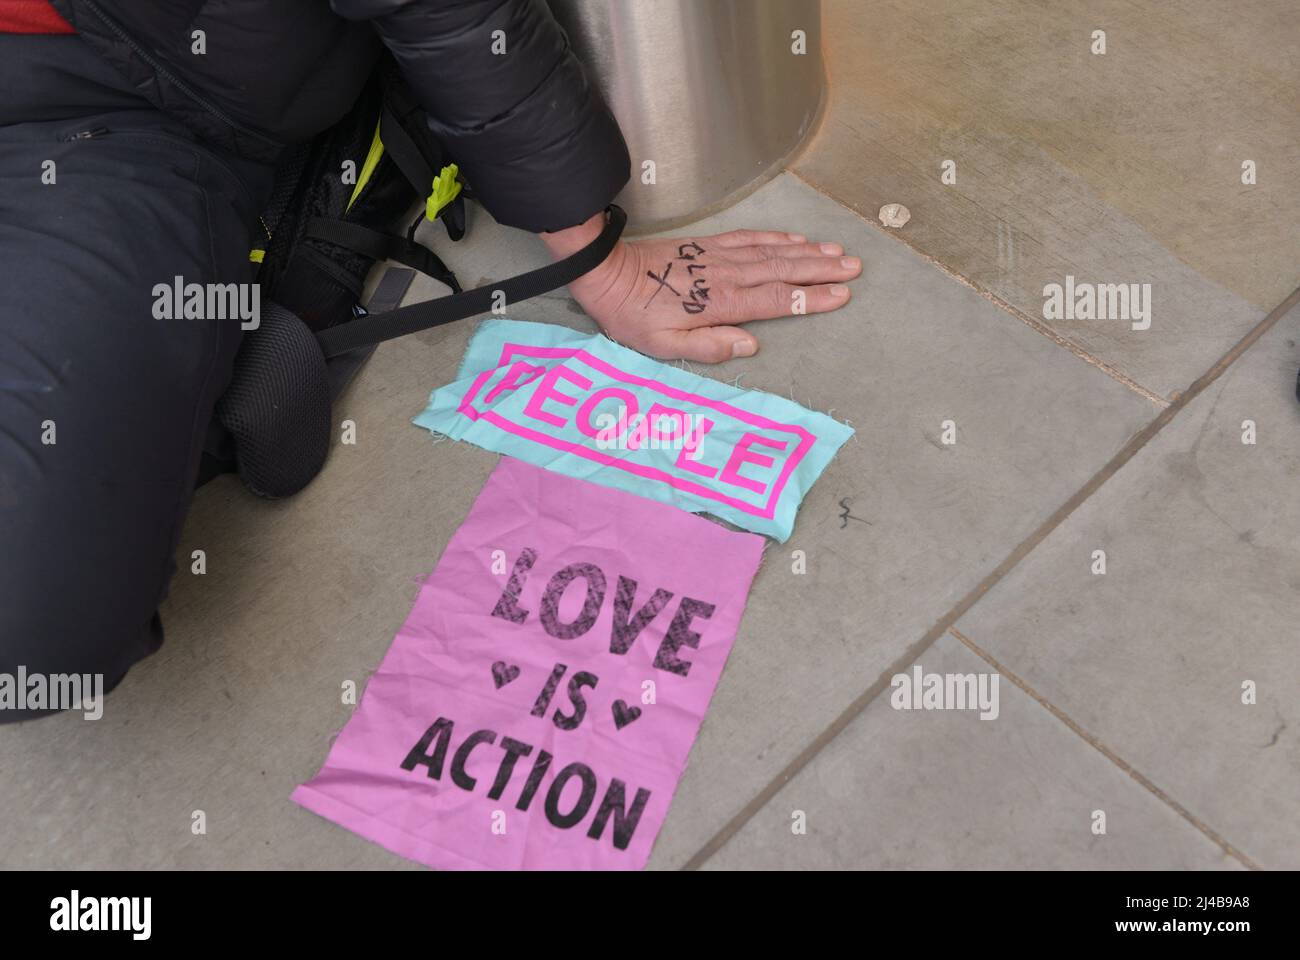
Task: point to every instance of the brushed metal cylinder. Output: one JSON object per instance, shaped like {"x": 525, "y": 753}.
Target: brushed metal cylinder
{"x": 711, "y": 92}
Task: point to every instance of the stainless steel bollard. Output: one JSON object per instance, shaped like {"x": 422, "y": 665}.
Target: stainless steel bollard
{"x": 712, "y": 95}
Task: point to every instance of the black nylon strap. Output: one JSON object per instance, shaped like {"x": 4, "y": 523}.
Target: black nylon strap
{"x": 405, "y": 153}
{"x": 382, "y": 246}
{"x": 378, "y": 327}
{"x": 390, "y": 290}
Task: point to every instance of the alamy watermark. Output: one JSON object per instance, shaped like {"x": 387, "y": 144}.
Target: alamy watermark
{"x": 53, "y": 691}
{"x": 76, "y": 913}
{"x": 179, "y": 300}
{"x": 1076, "y": 300}
{"x": 660, "y": 429}
{"x": 946, "y": 691}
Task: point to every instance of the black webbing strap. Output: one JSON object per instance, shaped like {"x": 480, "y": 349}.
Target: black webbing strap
{"x": 377, "y": 327}
{"x": 405, "y": 153}
{"x": 382, "y": 246}
{"x": 414, "y": 166}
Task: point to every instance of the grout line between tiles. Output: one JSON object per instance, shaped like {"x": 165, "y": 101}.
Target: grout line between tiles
{"x": 1018, "y": 553}
{"x": 993, "y": 298}
{"x": 1106, "y": 752}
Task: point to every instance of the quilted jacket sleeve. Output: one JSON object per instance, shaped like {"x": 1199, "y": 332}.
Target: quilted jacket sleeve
{"x": 531, "y": 134}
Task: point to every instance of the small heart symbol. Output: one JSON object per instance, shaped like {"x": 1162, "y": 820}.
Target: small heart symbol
{"x": 503, "y": 674}
{"x": 623, "y": 714}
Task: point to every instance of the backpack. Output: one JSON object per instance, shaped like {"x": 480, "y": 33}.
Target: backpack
{"x": 322, "y": 234}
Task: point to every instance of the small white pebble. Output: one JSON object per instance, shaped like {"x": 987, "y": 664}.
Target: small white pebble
{"x": 894, "y": 215}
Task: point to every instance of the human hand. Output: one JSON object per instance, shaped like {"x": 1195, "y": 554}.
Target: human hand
{"x": 683, "y": 297}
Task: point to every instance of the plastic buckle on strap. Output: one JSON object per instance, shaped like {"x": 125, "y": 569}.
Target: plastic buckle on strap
{"x": 445, "y": 189}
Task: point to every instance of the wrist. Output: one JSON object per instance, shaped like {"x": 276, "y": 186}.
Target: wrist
{"x": 564, "y": 243}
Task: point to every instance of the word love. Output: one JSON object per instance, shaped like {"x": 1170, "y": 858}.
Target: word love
{"x": 629, "y": 620}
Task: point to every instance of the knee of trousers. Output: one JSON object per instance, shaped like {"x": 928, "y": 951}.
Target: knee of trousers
{"x": 51, "y": 662}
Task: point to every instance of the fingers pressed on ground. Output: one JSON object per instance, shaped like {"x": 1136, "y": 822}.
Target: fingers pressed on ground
{"x": 704, "y": 344}
{"x": 779, "y": 251}
{"x": 797, "y": 270}
{"x": 751, "y": 238}
{"x": 768, "y": 301}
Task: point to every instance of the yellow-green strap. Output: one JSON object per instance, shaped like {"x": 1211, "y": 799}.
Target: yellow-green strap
{"x": 367, "y": 167}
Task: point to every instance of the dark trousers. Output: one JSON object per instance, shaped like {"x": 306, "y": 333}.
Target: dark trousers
{"x": 103, "y": 407}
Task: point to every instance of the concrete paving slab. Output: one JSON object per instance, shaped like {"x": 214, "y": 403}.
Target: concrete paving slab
{"x": 1115, "y": 168}
{"x": 946, "y": 789}
{"x": 1196, "y": 610}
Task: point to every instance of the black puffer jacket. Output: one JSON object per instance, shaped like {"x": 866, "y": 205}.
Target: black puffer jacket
{"x": 531, "y": 134}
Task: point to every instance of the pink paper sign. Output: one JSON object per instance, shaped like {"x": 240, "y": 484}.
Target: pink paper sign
{"x": 537, "y": 708}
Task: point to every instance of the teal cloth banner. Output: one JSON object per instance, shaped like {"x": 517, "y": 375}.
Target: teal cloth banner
{"x": 582, "y": 405}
